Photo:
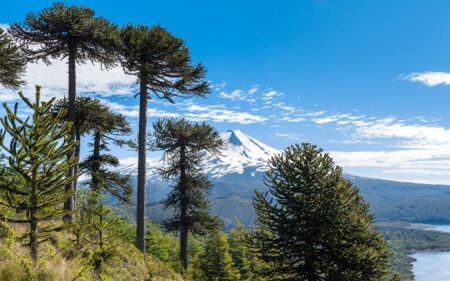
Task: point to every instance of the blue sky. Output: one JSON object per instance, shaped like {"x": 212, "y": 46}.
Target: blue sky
{"x": 366, "y": 80}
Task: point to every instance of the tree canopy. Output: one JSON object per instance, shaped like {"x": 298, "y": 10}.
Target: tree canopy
{"x": 12, "y": 62}
{"x": 185, "y": 146}
{"x": 61, "y": 30}
{"x": 314, "y": 224}
{"x": 162, "y": 66}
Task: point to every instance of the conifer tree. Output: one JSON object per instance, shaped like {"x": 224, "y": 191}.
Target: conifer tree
{"x": 12, "y": 62}
{"x": 185, "y": 146}
{"x": 71, "y": 32}
{"x": 216, "y": 261}
{"x": 240, "y": 252}
{"x": 102, "y": 236}
{"x": 163, "y": 67}
{"x": 108, "y": 127}
{"x": 87, "y": 111}
{"x": 315, "y": 225}
{"x": 36, "y": 153}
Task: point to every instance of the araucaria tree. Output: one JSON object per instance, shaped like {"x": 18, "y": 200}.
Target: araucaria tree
{"x": 71, "y": 32}
{"x": 108, "y": 127}
{"x": 163, "y": 67}
{"x": 185, "y": 146}
{"x": 12, "y": 62}
{"x": 315, "y": 225}
{"x": 36, "y": 154}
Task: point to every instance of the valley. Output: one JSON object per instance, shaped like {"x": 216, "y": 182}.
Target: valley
{"x": 239, "y": 172}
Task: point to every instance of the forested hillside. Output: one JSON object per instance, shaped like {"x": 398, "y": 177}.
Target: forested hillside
{"x": 389, "y": 200}
{"x": 304, "y": 220}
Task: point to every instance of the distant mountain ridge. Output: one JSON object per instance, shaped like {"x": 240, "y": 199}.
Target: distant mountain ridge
{"x": 239, "y": 172}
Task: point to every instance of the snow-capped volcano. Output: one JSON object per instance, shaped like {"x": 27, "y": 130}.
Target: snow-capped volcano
{"x": 241, "y": 152}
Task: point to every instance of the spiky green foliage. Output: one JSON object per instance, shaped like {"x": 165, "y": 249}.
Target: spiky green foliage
{"x": 240, "y": 252}
{"x": 36, "y": 154}
{"x": 85, "y": 118}
{"x": 315, "y": 225}
{"x": 71, "y": 32}
{"x": 161, "y": 63}
{"x": 62, "y": 31}
{"x": 185, "y": 146}
{"x": 102, "y": 235}
{"x": 216, "y": 262}
{"x": 12, "y": 62}
{"x": 107, "y": 128}
{"x": 162, "y": 66}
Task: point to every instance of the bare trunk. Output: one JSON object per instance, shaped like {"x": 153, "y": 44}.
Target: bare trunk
{"x": 32, "y": 215}
{"x": 76, "y": 169}
{"x": 69, "y": 204}
{"x": 96, "y": 164}
{"x": 33, "y": 238}
{"x": 184, "y": 228}
{"x": 33, "y": 225}
{"x": 95, "y": 182}
{"x": 140, "y": 207}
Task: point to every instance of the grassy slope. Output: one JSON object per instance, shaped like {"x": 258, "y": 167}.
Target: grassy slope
{"x": 60, "y": 261}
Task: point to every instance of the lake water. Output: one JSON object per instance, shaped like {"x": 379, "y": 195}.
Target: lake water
{"x": 432, "y": 266}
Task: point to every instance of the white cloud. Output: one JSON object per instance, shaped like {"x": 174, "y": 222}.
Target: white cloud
{"x": 411, "y": 151}
{"x": 91, "y": 79}
{"x": 340, "y": 119}
{"x": 429, "y": 78}
{"x": 233, "y": 95}
{"x": 239, "y": 95}
{"x": 221, "y": 114}
{"x": 193, "y": 112}
{"x": 270, "y": 95}
{"x": 133, "y": 110}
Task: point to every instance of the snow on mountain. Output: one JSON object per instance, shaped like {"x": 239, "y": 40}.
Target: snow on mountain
{"x": 241, "y": 154}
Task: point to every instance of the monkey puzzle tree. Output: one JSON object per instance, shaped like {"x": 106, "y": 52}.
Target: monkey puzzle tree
{"x": 316, "y": 225}
{"x": 107, "y": 127}
{"x": 36, "y": 154}
{"x": 71, "y": 32}
{"x": 185, "y": 146}
{"x": 86, "y": 109}
{"x": 12, "y": 62}
{"x": 163, "y": 67}
{"x": 94, "y": 117}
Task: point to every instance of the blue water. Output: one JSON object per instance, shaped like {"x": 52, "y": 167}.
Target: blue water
{"x": 438, "y": 227}
{"x": 432, "y": 266}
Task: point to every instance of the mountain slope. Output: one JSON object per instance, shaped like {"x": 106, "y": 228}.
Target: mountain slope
{"x": 240, "y": 171}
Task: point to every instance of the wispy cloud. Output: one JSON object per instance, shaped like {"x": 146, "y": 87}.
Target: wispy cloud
{"x": 411, "y": 151}
{"x": 91, "y": 79}
{"x": 239, "y": 95}
{"x": 220, "y": 113}
{"x": 270, "y": 95}
{"x": 430, "y": 78}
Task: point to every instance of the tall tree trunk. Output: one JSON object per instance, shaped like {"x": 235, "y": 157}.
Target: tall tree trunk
{"x": 184, "y": 228}
{"x": 140, "y": 208}
{"x": 76, "y": 168}
{"x": 32, "y": 218}
{"x": 69, "y": 204}
{"x": 96, "y": 162}
{"x": 95, "y": 183}
{"x": 33, "y": 236}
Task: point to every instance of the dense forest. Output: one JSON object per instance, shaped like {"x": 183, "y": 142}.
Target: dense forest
{"x": 314, "y": 225}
